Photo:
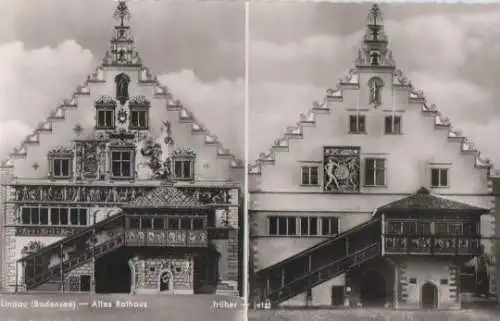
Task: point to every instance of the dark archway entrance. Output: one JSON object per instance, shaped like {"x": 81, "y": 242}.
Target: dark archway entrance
{"x": 373, "y": 289}
{"x": 112, "y": 272}
{"x": 429, "y": 296}
{"x": 206, "y": 271}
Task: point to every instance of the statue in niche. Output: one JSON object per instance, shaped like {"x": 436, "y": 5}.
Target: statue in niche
{"x": 122, "y": 81}
{"x": 375, "y": 85}
{"x": 374, "y": 58}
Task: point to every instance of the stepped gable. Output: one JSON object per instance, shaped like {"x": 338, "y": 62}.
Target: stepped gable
{"x": 424, "y": 200}
{"x": 374, "y": 38}
{"x": 122, "y": 54}
{"x": 165, "y": 196}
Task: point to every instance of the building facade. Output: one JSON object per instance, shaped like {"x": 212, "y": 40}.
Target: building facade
{"x": 372, "y": 198}
{"x": 121, "y": 189}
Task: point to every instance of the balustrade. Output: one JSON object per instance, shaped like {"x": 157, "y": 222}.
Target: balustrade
{"x": 432, "y": 244}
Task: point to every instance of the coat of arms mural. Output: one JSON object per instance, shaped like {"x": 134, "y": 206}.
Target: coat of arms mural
{"x": 341, "y": 169}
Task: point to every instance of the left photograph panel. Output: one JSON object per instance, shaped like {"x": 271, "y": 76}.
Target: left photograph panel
{"x": 122, "y": 140}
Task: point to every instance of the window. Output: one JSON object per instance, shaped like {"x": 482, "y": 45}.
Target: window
{"x": 309, "y": 226}
{"x": 173, "y": 223}
{"x": 197, "y": 224}
{"x": 310, "y": 175}
{"x": 329, "y": 226}
{"x": 439, "y": 177}
{"x": 158, "y": 223}
{"x": 393, "y": 124}
{"x": 61, "y": 168}
{"x": 283, "y": 226}
{"x": 30, "y": 215}
{"x": 146, "y": 222}
{"x": 357, "y": 124}
{"x": 60, "y": 162}
{"x": 375, "y": 172}
{"x": 134, "y": 222}
{"x": 138, "y": 119}
{"x": 184, "y": 169}
{"x": 122, "y": 164}
{"x": 59, "y": 216}
{"x": 105, "y": 118}
{"x": 78, "y": 216}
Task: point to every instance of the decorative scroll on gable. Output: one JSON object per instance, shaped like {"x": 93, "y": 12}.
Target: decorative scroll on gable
{"x": 64, "y": 152}
{"x": 183, "y": 152}
{"x": 105, "y": 101}
{"x": 139, "y": 102}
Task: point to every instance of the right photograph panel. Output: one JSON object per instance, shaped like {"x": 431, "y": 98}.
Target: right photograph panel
{"x": 363, "y": 190}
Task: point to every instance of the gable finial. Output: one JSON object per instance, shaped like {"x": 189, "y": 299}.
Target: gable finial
{"x": 122, "y": 13}
{"x": 122, "y": 51}
{"x": 375, "y": 22}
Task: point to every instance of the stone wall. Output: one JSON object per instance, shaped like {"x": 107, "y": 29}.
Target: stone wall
{"x": 415, "y": 272}
{"x": 72, "y": 281}
{"x": 149, "y": 270}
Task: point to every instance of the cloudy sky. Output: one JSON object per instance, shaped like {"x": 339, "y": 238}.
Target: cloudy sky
{"x": 48, "y": 47}
{"x": 451, "y": 52}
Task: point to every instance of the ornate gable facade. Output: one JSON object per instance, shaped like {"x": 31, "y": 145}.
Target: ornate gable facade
{"x": 371, "y": 140}
{"x": 120, "y": 135}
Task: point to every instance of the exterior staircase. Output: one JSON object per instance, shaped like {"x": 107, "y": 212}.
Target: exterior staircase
{"x": 320, "y": 263}
{"x": 82, "y": 247}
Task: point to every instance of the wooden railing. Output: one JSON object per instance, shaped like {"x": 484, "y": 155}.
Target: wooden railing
{"x": 432, "y": 244}
{"x": 322, "y": 274}
{"x": 76, "y": 261}
{"x": 170, "y": 238}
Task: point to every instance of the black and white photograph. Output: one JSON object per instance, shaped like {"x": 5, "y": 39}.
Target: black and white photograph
{"x": 372, "y": 142}
{"x": 122, "y": 146}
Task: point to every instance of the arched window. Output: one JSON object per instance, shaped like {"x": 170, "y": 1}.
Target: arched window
{"x": 122, "y": 81}
{"x": 375, "y": 85}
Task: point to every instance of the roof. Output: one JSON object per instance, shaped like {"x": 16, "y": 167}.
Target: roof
{"x": 165, "y": 196}
{"x": 423, "y": 201}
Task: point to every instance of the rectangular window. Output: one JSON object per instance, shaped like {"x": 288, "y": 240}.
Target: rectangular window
{"x": 184, "y": 169}
{"x": 73, "y": 216}
{"x": 329, "y": 225}
{"x": 44, "y": 216}
{"x": 63, "y": 216}
{"x": 309, "y": 226}
{"x": 283, "y": 225}
{"x": 82, "y": 219}
{"x": 158, "y": 223}
{"x": 138, "y": 119}
{"x": 146, "y": 222}
{"x": 357, "y": 124}
{"x": 375, "y": 172}
{"x": 393, "y": 124}
{"x": 54, "y": 216}
{"x": 439, "y": 177}
{"x": 310, "y": 175}
{"x": 134, "y": 222}
{"x": 186, "y": 224}
{"x": 105, "y": 119}
{"x": 197, "y": 224}
{"x": 173, "y": 223}
{"x": 122, "y": 164}
{"x": 273, "y": 225}
{"x": 61, "y": 167}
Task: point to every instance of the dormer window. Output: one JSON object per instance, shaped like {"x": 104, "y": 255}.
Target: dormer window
{"x": 105, "y": 112}
{"x": 61, "y": 163}
{"x": 183, "y": 163}
{"x": 139, "y": 113}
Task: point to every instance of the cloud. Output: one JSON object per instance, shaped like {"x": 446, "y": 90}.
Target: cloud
{"x": 33, "y": 82}
{"x": 449, "y": 56}
{"x": 11, "y": 134}
{"x": 219, "y": 105}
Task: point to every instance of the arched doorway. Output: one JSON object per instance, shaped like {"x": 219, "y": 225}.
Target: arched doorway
{"x": 166, "y": 281}
{"x": 373, "y": 289}
{"x": 429, "y": 296}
